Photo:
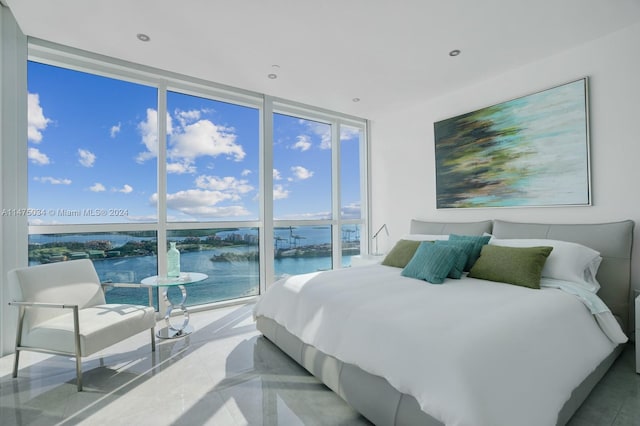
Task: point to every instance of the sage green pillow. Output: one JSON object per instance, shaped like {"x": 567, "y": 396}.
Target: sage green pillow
{"x": 401, "y": 253}
{"x": 513, "y": 265}
{"x": 430, "y": 263}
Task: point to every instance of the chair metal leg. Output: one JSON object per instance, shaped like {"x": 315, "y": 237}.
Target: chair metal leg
{"x": 153, "y": 339}
{"x": 76, "y": 331}
{"x": 79, "y": 372}
{"x": 15, "y": 364}
{"x": 18, "y": 341}
{"x": 153, "y": 329}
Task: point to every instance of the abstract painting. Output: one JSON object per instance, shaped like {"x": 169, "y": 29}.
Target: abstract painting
{"x": 529, "y": 151}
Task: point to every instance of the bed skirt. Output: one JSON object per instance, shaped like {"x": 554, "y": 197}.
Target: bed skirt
{"x": 374, "y": 397}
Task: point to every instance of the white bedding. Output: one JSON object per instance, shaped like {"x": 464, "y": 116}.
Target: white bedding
{"x": 472, "y": 352}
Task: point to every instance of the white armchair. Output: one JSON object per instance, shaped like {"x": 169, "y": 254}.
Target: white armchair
{"x": 62, "y": 311}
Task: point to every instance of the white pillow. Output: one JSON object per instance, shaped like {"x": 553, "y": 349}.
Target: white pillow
{"x": 567, "y": 261}
{"x": 425, "y": 237}
{"x": 591, "y": 271}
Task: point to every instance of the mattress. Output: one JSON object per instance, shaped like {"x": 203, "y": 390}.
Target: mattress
{"x": 374, "y": 397}
{"x": 471, "y": 352}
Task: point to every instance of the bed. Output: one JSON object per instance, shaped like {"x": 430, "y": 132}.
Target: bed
{"x": 470, "y": 351}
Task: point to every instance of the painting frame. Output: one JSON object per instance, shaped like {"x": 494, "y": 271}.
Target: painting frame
{"x": 530, "y": 151}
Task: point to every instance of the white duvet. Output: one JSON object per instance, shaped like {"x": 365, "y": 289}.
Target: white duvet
{"x": 472, "y": 352}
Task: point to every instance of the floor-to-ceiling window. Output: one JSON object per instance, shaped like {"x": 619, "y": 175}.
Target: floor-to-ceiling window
{"x": 89, "y": 196}
{"x": 317, "y": 179}
{"x": 352, "y": 188}
{"x": 302, "y": 182}
{"x": 122, "y": 163}
{"x": 213, "y": 178}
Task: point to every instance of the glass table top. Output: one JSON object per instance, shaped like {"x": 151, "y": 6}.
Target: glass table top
{"x": 184, "y": 278}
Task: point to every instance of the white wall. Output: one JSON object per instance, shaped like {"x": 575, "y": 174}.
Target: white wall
{"x": 13, "y": 109}
{"x": 402, "y": 143}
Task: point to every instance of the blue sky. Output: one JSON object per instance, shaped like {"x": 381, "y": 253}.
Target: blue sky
{"x": 92, "y": 148}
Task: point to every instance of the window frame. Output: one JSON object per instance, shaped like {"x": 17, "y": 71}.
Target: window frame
{"x": 335, "y": 120}
{"x": 165, "y": 81}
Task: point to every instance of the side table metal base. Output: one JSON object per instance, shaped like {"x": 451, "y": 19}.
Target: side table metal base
{"x": 175, "y": 331}
{"x": 170, "y": 333}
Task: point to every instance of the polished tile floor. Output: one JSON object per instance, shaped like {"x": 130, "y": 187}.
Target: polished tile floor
{"x": 222, "y": 374}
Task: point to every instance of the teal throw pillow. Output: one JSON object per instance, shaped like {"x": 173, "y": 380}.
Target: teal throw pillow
{"x": 461, "y": 250}
{"x": 431, "y": 263}
{"x": 513, "y": 265}
{"x": 401, "y": 253}
{"x": 475, "y": 244}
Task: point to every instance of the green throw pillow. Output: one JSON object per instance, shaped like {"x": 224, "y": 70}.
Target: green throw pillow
{"x": 461, "y": 256}
{"x": 401, "y": 253}
{"x": 431, "y": 263}
{"x": 473, "y": 247}
{"x": 514, "y": 265}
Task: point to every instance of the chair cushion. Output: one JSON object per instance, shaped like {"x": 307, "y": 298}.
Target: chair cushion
{"x": 73, "y": 282}
{"x": 100, "y": 327}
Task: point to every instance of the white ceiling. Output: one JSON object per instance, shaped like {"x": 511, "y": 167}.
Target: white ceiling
{"x": 329, "y": 51}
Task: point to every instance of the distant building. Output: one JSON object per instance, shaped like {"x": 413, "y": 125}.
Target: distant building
{"x": 79, "y": 255}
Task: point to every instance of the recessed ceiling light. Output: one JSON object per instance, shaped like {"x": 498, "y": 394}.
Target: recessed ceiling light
{"x": 454, "y": 52}
{"x": 273, "y": 75}
{"x": 143, "y": 37}
{"x": 356, "y": 99}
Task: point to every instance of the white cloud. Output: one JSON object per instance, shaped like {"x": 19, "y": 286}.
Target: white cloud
{"x": 193, "y": 198}
{"x": 52, "y": 180}
{"x": 37, "y": 157}
{"x": 225, "y": 211}
{"x": 303, "y": 143}
{"x": 349, "y": 133}
{"x": 181, "y": 168}
{"x": 186, "y": 117}
{"x": 202, "y": 203}
{"x": 87, "y": 158}
{"x": 351, "y": 211}
{"x": 149, "y": 131}
{"x": 191, "y": 138}
{"x": 115, "y": 130}
{"x": 301, "y": 173}
{"x": 276, "y": 174}
{"x": 143, "y": 218}
{"x": 306, "y": 216}
{"x": 279, "y": 192}
{"x": 226, "y": 184}
{"x": 245, "y": 172}
{"x": 204, "y": 138}
{"x": 97, "y": 187}
{"x": 320, "y": 129}
{"x": 36, "y": 121}
{"x": 126, "y": 189}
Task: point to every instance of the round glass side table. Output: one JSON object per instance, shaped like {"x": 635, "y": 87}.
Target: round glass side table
{"x": 172, "y": 331}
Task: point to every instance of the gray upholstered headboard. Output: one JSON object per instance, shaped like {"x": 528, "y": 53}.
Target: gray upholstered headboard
{"x": 442, "y": 228}
{"x": 613, "y": 240}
